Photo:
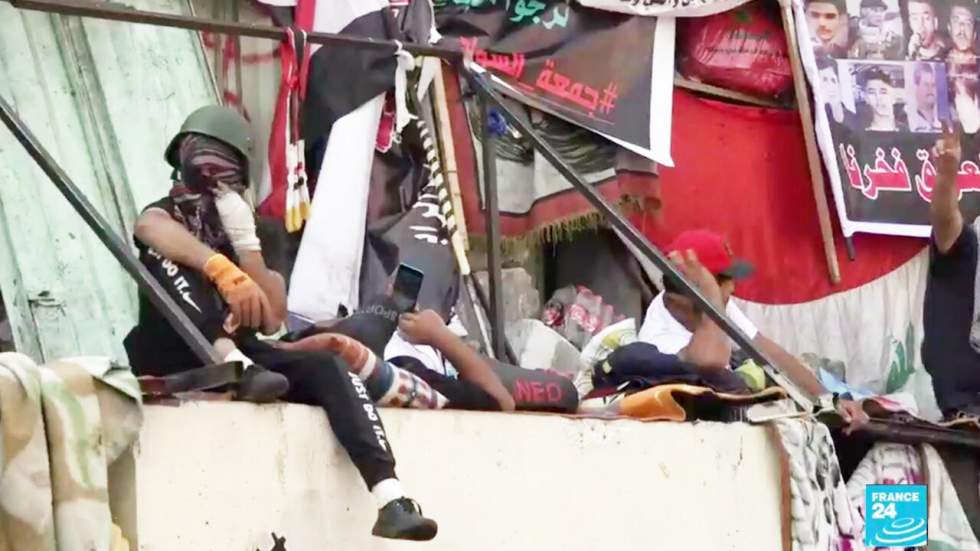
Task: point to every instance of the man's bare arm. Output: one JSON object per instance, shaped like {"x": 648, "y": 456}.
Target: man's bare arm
{"x": 472, "y": 367}
{"x": 944, "y": 210}
{"x": 157, "y": 230}
{"x": 427, "y": 328}
{"x": 789, "y": 365}
{"x": 272, "y": 283}
{"x": 709, "y": 346}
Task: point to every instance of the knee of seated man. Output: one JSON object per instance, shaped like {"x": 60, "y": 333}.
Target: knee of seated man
{"x": 324, "y": 364}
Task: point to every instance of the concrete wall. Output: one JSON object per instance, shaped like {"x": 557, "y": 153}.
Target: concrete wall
{"x": 222, "y": 476}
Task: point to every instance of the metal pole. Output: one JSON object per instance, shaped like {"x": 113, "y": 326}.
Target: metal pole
{"x": 119, "y": 249}
{"x": 480, "y": 80}
{"x": 493, "y": 230}
{"x": 118, "y": 12}
{"x": 886, "y": 430}
{"x": 484, "y": 302}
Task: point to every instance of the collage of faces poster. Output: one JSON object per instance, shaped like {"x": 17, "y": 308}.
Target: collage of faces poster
{"x": 886, "y": 76}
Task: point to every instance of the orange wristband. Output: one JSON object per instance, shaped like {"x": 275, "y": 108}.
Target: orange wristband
{"x": 227, "y": 277}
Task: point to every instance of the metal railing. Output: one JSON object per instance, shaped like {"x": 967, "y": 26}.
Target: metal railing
{"x": 482, "y": 82}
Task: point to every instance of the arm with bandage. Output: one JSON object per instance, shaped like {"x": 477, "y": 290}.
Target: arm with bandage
{"x": 246, "y": 299}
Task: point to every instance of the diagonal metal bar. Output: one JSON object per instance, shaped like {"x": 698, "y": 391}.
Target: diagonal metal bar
{"x": 119, "y": 248}
{"x": 493, "y": 231}
{"x": 117, "y": 12}
{"x": 481, "y": 82}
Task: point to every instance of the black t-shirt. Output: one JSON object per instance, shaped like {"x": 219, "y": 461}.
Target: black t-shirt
{"x": 460, "y": 394}
{"x": 153, "y": 346}
{"x": 947, "y": 318}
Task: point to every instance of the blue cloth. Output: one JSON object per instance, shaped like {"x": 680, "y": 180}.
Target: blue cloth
{"x": 835, "y": 385}
{"x": 643, "y": 365}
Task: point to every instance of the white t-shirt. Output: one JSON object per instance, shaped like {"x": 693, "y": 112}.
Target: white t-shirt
{"x": 669, "y": 336}
{"x": 429, "y": 356}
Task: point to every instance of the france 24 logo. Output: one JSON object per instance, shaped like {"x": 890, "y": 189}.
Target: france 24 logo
{"x": 897, "y": 515}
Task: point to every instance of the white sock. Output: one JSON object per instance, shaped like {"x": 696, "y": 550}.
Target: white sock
{"x": 237, "y": 355}
{"x": 386, "y": 491}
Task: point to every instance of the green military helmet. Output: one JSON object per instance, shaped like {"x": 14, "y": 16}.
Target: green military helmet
{"x": 222, "y": 123}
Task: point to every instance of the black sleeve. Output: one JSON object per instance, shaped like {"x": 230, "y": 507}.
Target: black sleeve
{"x": 189, "y": 288}
{"x": 164, "y": 203}
{"x": 962, "y": 255}
{"x": 461, "y": 394}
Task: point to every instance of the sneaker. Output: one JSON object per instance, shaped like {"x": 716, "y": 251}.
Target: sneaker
{"x": 402, "y": 519}
{"x": 260, "y": 385}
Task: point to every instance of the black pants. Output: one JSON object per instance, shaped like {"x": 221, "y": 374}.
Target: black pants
{"x": 323, "y": 379}
{"x": 316, "y": 378}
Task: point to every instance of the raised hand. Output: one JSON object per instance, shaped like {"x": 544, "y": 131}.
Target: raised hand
{"x": 689, "y": 265}
{"x": 947, "y": 151}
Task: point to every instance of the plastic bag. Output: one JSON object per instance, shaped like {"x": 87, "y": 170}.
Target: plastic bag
{"x": 742, "y": 49}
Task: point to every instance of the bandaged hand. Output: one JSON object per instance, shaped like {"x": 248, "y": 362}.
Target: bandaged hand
{"x": 237, "y": 218}
{"x": 244, "y": 297}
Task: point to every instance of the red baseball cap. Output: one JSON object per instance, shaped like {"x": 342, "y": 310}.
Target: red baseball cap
{"x": 713, "y": 251}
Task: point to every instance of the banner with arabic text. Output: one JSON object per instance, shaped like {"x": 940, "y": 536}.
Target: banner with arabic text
{"x": 886, "y": 74}
{"x": 607, "y": 72}
{"x": 665, "y": 8}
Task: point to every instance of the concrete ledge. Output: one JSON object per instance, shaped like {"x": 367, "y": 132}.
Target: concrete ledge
{"x": 222, "y": 476}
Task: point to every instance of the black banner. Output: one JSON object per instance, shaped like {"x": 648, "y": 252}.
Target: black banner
{"x": 590, "y": 67}
{"x": 887, "y": 74}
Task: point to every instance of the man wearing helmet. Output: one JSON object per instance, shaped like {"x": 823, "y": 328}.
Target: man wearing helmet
{"x": 200, "y": 243}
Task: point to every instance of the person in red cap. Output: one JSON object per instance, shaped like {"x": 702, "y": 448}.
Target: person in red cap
{"x": 673, "y": 323}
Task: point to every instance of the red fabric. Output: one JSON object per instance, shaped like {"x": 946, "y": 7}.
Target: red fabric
{"x": 742, "y": 172}
{"x": 742, "y": 49}
{"x": 305, "y": 14}
{"x": 274, "y": 204}
{"x": 556, "y": 208}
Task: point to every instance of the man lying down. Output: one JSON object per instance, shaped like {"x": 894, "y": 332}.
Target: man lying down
{"x": 408, "y": 360}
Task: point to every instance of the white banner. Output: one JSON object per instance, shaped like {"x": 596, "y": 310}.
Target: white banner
{"x": 665, "y": 8}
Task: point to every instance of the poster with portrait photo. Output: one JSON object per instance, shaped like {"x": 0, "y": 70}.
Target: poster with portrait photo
{"x": 878, "y": 93}
{"x": 839, "y": 104}
{"x": 926, "y": 96}
{"x": 829, "y": 27}
{"x": 964, "y": 97}
{"x": 877, "y": 30}
{"x": 961, "y": 28}
{"x": 910, "y": 66}
{"x": 926, "y": 30}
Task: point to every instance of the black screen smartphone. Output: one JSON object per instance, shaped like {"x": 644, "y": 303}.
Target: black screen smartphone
{"x": 408, "y": 283}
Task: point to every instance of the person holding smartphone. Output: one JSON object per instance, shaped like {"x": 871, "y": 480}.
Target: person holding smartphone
{"x": 409, "y": 357}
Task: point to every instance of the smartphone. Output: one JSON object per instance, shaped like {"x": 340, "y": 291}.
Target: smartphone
{"x": 408, "y": 283}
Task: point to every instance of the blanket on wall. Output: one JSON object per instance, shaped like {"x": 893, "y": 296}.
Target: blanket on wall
{"x": 61, "y": 426}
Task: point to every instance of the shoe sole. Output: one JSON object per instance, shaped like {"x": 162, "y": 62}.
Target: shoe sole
{"x": 422, "y": 532}
{"x": 264, "y": 394}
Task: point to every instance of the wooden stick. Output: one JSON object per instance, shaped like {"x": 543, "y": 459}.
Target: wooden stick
{"x": 725, "y": 93}
{"x": 810, "y": 140}
{"x": 449, "y": 156}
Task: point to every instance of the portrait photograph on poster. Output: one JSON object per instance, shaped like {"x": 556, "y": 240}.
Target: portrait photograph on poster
{"x": 886, "y": 75}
